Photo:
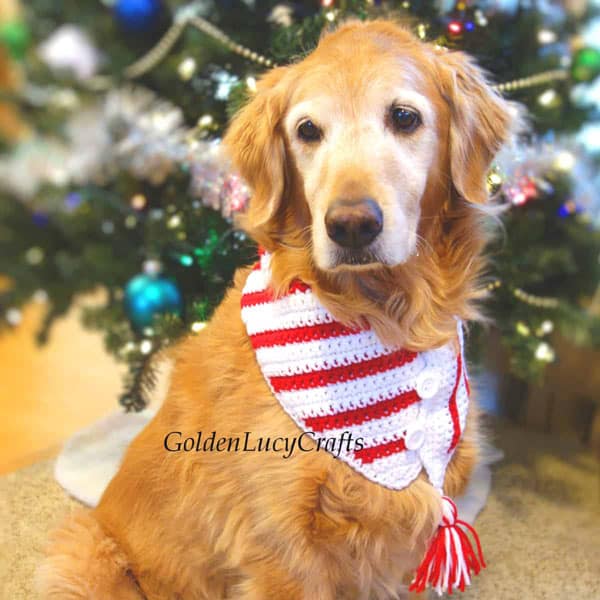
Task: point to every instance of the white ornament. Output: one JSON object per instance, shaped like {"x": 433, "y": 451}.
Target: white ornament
{"x": 40, "y": 296}
{"x": 282, "y": 15}
{"x": 13, "y": 316}
{"x": 152, "y": 267}
{"x": 70, "y": 48}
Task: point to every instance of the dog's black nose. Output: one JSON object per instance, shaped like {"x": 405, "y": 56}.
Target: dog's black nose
{"x": 354, "y": 223}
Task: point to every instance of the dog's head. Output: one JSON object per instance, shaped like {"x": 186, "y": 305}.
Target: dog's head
{"x": 356, "y": 149}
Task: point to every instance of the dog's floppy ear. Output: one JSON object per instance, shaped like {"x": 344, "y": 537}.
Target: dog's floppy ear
{"x": 257, "y": 148}
{"x": 481, "y": 121}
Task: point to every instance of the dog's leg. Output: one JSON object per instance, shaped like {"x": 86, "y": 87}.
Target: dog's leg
{"x": 83, "y": 563}
{"x": 271, "y": 582}
{"x": 273, "y": 586}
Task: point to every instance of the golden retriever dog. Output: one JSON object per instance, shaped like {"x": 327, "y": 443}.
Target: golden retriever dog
{"x": 367, "y": 161}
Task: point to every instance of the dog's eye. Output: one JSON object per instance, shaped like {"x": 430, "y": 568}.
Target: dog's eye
{"x": 309, "y": 132}
{"x": 405, "y": 119}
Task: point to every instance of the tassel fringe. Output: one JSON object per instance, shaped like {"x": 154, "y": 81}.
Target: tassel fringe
{"x": 451, "y": 558}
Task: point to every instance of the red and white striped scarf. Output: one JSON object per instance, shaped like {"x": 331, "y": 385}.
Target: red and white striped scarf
{"x": 409, "y": 408}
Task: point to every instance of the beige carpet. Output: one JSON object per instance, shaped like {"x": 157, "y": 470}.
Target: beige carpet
{"x": 540, "y": 529}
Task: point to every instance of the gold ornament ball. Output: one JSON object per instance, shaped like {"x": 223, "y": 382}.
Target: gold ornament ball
{"x": 494, "y": 182}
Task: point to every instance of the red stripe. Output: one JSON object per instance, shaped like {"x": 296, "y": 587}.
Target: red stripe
{"x": 453, "y": 407}
{"x": 298, "y": 286}
{"x": 306, "y": 333}
{"x": 260, "y": 297}
{"x": 357, "y": 416}
{"x": 313, "y": 379}
{"x": 266, "y": 296}
{"x": 369, "y": 455}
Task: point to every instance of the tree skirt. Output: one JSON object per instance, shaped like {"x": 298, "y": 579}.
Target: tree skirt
{"x": 90, "y": 459}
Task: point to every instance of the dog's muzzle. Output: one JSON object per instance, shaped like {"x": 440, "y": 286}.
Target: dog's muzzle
{"x": 354, "y": 224}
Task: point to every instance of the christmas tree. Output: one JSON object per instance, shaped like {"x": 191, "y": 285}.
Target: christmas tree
{"x": 13, "y": 41}
{"x": 119, "y": 184}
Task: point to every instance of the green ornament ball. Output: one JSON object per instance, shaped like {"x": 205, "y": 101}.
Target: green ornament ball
{"x": 14, "y": 35}
{"x": 586, "y": 65}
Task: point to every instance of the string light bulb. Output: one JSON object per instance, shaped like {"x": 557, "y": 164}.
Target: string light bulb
{"x": 549, "y": 98}
{"x": 34, "y": 256}
{"x": 545, "y": 328}
{"x": 174, "y": 222}
{"x": 545, "y": 353}
{"x": 480, "y": 18}
{"x": 455, "y": 27}
{"x": 187, "y": 68}
{"x": 138, "y": 201}
{"x": 546, "y": 36}
{"x": 564, "y": 161}
{"x": 146, "y": 347}
{"x": 205, "y": 121}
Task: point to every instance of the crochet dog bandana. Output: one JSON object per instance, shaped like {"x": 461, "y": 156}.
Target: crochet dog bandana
{"x": 409, "y": 408}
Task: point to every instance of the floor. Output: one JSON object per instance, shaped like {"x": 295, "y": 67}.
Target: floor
{"x": 48, "y": 393}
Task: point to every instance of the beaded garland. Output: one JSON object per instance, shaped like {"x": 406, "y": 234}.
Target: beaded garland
{"x": 409, "y": 408}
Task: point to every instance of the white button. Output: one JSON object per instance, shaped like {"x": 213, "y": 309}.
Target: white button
{"x": 428, "y": 383}
{"x": 414, "y": 439}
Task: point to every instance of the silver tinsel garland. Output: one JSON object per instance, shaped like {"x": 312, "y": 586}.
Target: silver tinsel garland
{"x": 133, "y": 130}
{"x": 524, "y": 168}
{"x": 130, "y": 130}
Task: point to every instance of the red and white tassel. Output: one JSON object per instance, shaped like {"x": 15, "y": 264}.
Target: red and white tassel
{"x": 451, "y": 559}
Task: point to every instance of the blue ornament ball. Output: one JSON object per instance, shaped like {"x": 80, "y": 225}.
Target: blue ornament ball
{"x": 40, "y": 218}
{"x": 138, "y": 16}
{"x": 147, "y": 297}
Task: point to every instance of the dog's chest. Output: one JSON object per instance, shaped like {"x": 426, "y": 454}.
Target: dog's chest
{"x": 387, "y": 412}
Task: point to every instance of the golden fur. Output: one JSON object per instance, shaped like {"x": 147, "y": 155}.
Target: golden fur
{"x": 255, "y": 526}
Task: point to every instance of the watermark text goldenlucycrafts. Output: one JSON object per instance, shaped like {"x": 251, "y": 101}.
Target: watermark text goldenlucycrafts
{"x": 177, "y": 441}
